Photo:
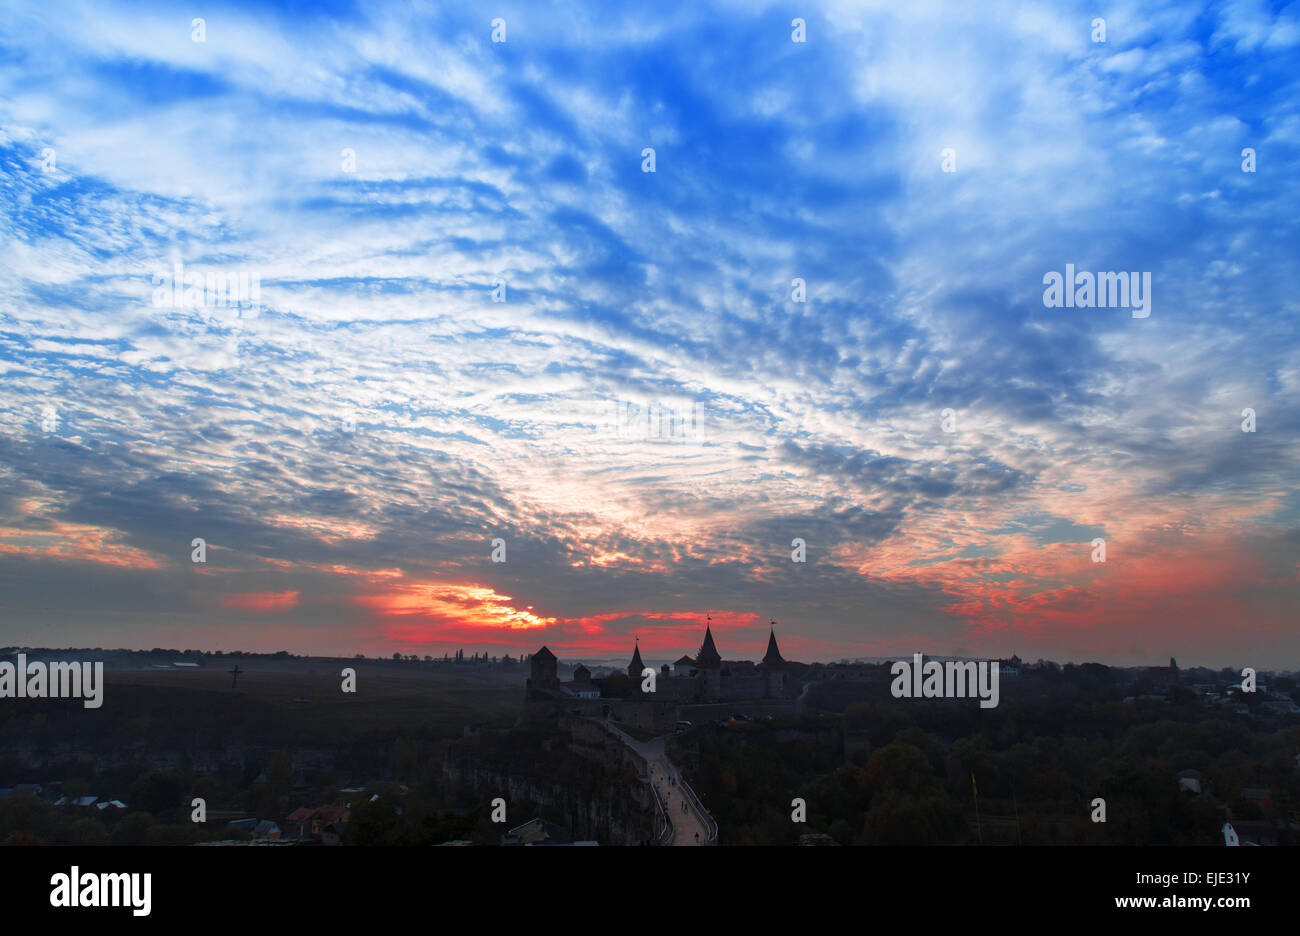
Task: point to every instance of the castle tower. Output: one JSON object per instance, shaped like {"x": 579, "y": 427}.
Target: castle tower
{"x": 543, "y": 670}
{"x": 708, "y": 664}
{"x": 773, "y": 667}
{"x": 636, "y": 666}
{"x": 773, "y": 655}
{"x": 708, "y": 655}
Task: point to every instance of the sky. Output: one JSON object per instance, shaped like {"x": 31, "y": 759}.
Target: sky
{"x": 482, "y": 330}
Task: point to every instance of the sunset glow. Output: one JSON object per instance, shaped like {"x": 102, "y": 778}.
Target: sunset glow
{"x": 503, "y": 386}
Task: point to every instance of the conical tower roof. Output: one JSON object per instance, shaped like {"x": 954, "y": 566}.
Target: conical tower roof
{"x": 708, "y": 655}
{"x": 773, "y": 655}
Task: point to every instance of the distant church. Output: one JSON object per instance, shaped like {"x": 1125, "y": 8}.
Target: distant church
{"x": 1160, "y": 675}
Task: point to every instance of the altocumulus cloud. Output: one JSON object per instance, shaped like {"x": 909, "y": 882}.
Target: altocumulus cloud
{"x": 351, "y": 447}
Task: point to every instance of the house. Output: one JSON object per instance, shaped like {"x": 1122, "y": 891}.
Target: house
{"x": 1009, "y": 667}
{"x": 324, "y": 824}
{"x": 328, "y": 824}
{"x": 1190, "y": 781}
{"x": 299, "y": 821}
{"x": 582, "y": 686}
{"x": 266, "y": 829}
{"x": 537, "y": 831}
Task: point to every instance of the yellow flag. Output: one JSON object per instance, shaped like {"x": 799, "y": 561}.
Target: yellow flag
{"x": 974, "y": 788}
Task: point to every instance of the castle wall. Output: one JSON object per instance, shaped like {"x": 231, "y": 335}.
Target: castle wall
{"x": 654, "y": 715}
{"x": 721, "y": 711}
{"x": 675, "y": 689}
{"x": 742, "y": 687}
{"x": 710, "y": 685}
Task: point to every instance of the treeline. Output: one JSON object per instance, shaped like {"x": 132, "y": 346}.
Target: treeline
{"x": 911, "y": 770}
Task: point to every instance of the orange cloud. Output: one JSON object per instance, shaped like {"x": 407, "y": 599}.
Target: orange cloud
{"x": 473, "y": 605}
{"x": 327, "y": 531}
{"x": 261, "y": 601}
{"x": 73, "y": 542}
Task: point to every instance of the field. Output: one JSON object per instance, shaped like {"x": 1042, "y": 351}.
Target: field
{"x": 301, "y": 701}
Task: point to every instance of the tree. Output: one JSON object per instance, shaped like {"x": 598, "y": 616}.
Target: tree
{"x": 280, "y": 776}
{"x": 132, "y": 829}
{"x": 616, "y": 686}
{"x": 899, "y": 766}
{"x": 160, "y": 791}
{"x": 21, "y": 814}
{"x": 372, "y": 823}
{"x": 87, "y": 832}
{"x": 900, "y": 819}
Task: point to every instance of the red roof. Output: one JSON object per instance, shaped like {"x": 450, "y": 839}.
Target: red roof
{"x": 324, "y": 813}
{"x": 332, "y": 813}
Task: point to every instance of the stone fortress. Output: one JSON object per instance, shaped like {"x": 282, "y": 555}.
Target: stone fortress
{"x": 703, "y": 680}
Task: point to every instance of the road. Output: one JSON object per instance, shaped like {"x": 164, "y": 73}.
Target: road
{"x": 689, "y": 827}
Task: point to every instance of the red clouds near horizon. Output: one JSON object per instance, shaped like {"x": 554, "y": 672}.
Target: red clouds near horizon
{"x": 261, "y": 601}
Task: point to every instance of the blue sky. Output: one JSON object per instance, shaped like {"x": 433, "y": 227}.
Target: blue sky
{"x": 350, "y": 448}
